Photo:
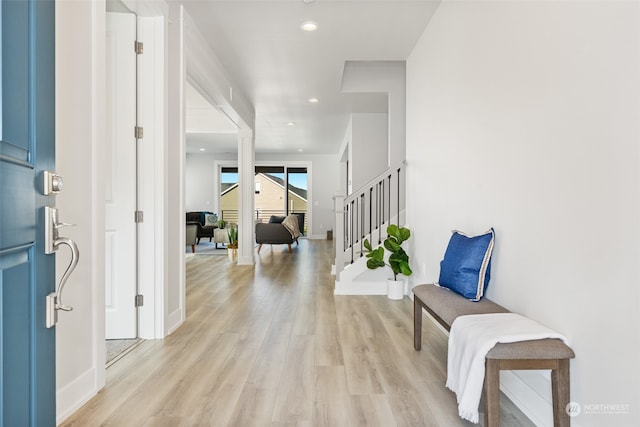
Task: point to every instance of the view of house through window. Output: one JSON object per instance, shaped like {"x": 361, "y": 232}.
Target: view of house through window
{"x": 229, "y": 194}
{"x": 279, "y": 191}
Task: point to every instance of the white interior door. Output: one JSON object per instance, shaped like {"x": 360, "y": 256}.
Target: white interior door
{"x": 120, "y": 192}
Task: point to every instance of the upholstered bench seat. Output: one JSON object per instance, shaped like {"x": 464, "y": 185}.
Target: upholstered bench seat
{"x": 445, "y": 306}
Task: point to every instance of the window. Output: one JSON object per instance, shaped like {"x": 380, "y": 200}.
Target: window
{"x": 278, "y": 191}
{"x": 229, "y": 194}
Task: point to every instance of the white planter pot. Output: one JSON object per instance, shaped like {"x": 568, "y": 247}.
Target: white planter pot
{"x": 233, "y": 254}
{"x": 395, "y": 289}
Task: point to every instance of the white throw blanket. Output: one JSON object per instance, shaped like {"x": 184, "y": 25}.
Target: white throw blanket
{"x": 470, "y": 339}
{"x": 291, "y": 224}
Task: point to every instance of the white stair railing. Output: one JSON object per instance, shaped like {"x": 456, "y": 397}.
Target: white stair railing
{"x": 365, "y": 214}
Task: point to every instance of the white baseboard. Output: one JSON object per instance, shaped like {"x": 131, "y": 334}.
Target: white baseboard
{"x": 72, "y": 396}
{"x": 246, "y": 260}
{"x": 317, "y": 237}
{"x": 527, "y": 390}
{"x": 174, "y": 320}
{"x": 360, "y": 288}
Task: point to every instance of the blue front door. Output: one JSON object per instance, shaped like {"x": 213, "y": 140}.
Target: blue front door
{"x": 27, "y": 275}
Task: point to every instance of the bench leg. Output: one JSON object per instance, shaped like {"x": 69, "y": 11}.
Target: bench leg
{"x": 259, "y": 247}
{"x": 290, "y": 250}
{"x": 417, "y": 324}
{"x": 492, "y": 393}
{"x": 560, "y": 384}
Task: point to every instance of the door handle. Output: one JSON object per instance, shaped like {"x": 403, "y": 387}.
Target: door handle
{"x": 53, "y": 241}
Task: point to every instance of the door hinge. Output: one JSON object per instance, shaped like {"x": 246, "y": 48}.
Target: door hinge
{"x": 138, "y": 132}
{"x": 139, "y": 300}
{"x": 139, "y": 217}
{"x": 138, "y": 47}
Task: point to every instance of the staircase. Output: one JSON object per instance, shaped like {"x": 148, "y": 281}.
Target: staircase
{"x": 365, "y": 214}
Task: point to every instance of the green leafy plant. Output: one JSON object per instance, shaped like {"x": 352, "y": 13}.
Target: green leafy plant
{"x": 233, "y": 236}
{"x": 221, "y": 223}
{"x": 398, "y": 259}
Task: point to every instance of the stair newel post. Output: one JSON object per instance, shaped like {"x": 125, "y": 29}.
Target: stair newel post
{"x": 339, "y": 240}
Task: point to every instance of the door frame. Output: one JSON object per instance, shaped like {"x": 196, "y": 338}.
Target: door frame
{"x": 80, "y": 135}
{"x": 151, "y": 179}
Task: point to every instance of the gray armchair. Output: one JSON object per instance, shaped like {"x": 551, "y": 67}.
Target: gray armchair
{"x": 203, "y": 230}
{"x": 191, "y": 236}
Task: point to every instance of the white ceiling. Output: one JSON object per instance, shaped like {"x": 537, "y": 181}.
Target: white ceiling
{"x": 208, "y": 130}
{"x": 279, "y": 67}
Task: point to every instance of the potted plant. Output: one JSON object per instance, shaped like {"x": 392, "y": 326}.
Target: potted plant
{"x": 398, "y": 259}
{"x": 232, "y": 246}
{"x": 221, "y": 224}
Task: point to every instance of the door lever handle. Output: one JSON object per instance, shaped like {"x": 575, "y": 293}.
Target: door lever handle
{"x": 64, "y": 224}
{"x": 75, "y": 255}
{"x": 52, "y": 242}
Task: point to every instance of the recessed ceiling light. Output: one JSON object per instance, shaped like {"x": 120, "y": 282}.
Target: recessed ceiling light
{"x": 308, "y": 1}
{"x": 309, "y": 26}
{"x": 203, "y": 149}
{"x": 291, "y": 124}
{"x": 313, "y": 100}
{"x": 300, "y": 150}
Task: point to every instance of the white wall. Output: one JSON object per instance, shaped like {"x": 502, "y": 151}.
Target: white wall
{"x": 80, "y": 125}
{"x": 175, "y": 64}
{"x": 200, "y": 175}
{"x": 382, "y": 77}
{"x": 524, "y": 116}
{"x": 345, "y": 156}
{"x": 369, "y": 147}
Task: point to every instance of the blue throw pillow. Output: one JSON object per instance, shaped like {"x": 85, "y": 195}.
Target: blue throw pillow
{"x": 466, "y": 267}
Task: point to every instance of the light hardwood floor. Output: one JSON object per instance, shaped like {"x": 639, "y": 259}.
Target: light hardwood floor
{"x": 272, "y": 346}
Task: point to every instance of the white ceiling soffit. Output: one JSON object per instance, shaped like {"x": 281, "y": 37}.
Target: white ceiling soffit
{"x": 279, "y": 67}
{"x": 208, "y": 130}
{"x": 202, "y": 117}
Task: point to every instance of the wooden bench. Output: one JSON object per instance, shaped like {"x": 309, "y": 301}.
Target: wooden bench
{"x": 445, "y": 306}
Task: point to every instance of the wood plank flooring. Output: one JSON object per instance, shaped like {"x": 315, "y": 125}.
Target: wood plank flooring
{"x": 272, "y": 346}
